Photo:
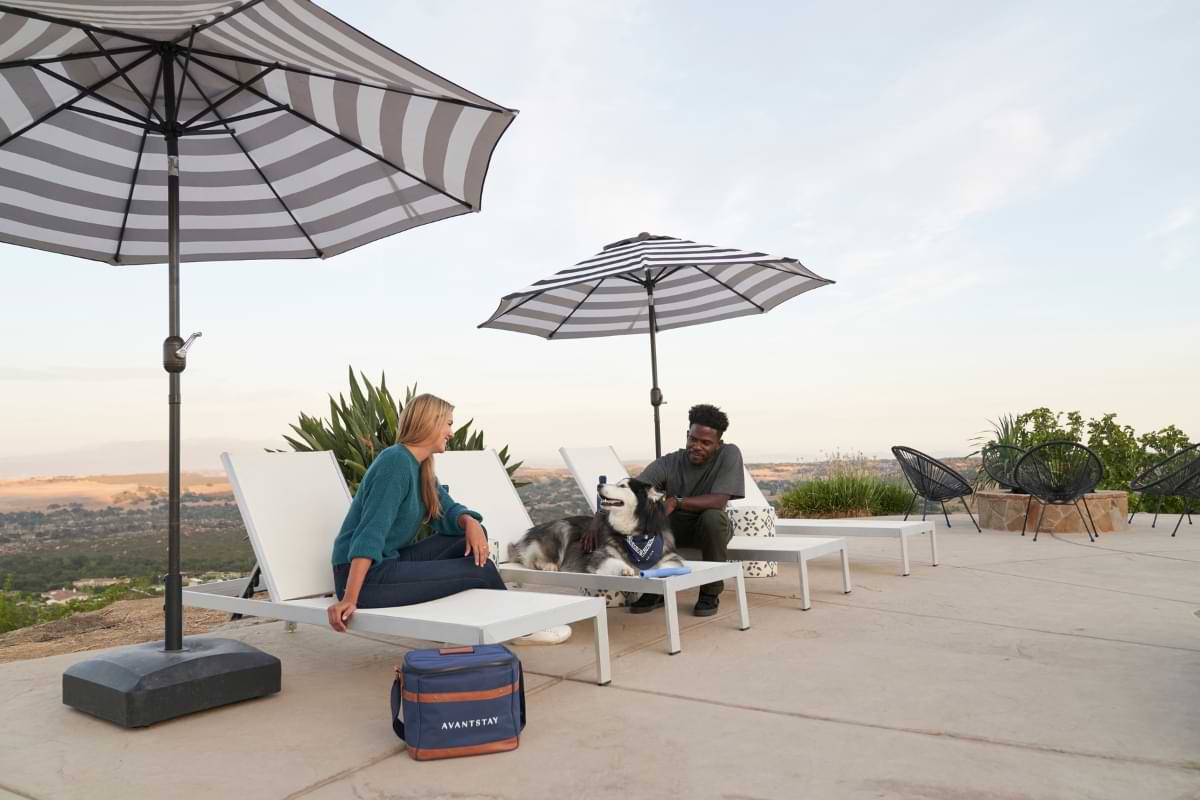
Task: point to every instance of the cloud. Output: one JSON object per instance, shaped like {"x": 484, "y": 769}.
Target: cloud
{"x": 1178, "y": 238}
{"x": 1178, "y": 219}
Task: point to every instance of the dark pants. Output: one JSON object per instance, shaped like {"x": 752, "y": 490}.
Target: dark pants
{"x": 709, "y": 532}
{"x": 430, "y": 569}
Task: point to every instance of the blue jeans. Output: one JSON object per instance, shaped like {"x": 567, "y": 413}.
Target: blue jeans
{"x": 428, "y": 570}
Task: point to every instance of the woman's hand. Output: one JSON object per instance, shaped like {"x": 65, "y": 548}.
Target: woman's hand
{"x": 477, "y": 543}
{"x": 339, "y": 614}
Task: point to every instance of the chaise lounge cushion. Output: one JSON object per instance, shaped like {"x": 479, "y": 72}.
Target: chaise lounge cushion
{"x": 755, "y": 521}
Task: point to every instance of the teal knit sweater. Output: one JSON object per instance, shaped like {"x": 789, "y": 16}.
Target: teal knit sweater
{"x": 387, "y": 511}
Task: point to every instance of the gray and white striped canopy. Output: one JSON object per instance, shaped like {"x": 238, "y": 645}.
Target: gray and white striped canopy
{"x": 324, "y": 139}
{"x": 607, "y": 294}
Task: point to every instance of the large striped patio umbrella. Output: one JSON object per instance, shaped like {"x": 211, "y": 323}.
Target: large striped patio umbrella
{"x": 650, "y": 283}
{"x": 147, "y": 131}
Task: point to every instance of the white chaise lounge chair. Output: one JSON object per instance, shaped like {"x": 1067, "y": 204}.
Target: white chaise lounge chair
{"x": 293, "y": 505}
{"x": 597, "y": 459}
{"x": 876, "y": 528}
{"x": 587, "y": 464}
{"x": 479, "y": 480}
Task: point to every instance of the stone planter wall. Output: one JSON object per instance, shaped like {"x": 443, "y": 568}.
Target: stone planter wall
{"x": 1005, "y": 511}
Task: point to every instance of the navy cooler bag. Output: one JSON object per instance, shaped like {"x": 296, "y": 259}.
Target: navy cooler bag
{"x": 459, "y": 701}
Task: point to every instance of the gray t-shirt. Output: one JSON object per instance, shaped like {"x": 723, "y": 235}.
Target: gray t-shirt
{"x": 721, "y": 474}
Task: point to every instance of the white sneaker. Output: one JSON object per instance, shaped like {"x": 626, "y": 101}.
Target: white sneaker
{"x": 556, "y": 635}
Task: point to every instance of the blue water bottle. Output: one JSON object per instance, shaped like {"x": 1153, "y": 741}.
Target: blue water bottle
{"x": 603, "y": 480}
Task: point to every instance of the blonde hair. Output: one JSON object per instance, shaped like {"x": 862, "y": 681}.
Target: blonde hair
{"x": 421, "y": 420}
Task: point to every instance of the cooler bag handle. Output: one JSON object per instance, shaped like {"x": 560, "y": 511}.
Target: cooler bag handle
{"x": 397, "y": 723}
{"x": 521, "y": 689}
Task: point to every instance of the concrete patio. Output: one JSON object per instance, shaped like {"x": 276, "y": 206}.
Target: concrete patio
{"x": 1013, "y": 670}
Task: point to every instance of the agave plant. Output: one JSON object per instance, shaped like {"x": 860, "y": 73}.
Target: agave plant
{"x": 358, "y": 430}
{"x": 1007, "y": 430}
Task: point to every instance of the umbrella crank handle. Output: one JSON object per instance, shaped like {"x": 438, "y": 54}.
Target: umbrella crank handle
{"x": 175, "y": 352}
{"x": 656, "y": 397}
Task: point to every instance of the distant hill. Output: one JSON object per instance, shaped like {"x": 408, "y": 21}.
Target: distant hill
{"x": 125, "y": 458}
{"x": 99, "y": 491}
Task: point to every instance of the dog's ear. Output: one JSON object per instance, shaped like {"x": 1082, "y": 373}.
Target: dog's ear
{"x": 638, "y": 486}
{"x": 652, "y": 513}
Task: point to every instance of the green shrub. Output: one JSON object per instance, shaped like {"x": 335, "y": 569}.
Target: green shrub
{"x": 849, "y": 491}
{"x": 358, "y": 430}
{"x": 19, "y": 610}
{"x": 1123, "y": 452}
{"x": 16, "y": 609}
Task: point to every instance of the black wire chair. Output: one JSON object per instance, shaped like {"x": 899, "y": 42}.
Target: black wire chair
{"x": 1059, "y": 474}
{"x": 932, "y": 481}
{"x": 1000, "y": 462}
{"x": 1175, "y": 476}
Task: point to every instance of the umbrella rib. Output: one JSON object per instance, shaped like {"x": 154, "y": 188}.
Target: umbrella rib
{"x": 258, "y": 169}
{"x": 71, "y": 23}
{"x": 236, "y": 90}
{"x": 813, "y": 277}
{"x": 187, "y": 62}
{"x": 91, "y": 93}
{"x": 576, "y": 308}
{"x": 110, "y": 117}
{"x": 137, "y": 166}
{"x": 258, "y": 62}
{"x": 31, "y": 62}
{"x": 499, "y": 314}
{"x": 124, "y": 76}
{"x": 665, "y": 272}
{"x": 65, "y": 106}
{"x": 239, "y": 118}
{"x": 339, "y": 136}
{"x": 727, "y": 286}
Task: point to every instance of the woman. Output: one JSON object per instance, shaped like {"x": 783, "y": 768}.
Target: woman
{"x": 376, "y": 563}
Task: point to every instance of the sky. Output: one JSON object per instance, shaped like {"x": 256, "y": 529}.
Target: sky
{"x": 1007, "y": 195}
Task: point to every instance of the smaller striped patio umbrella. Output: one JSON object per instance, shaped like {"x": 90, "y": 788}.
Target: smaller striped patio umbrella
{"x": 648, "y": 284}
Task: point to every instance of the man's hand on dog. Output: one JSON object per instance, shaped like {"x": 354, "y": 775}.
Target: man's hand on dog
{"x": 587, "y": 542}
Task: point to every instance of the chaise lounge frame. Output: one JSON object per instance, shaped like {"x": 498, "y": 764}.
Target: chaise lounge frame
{"x": 293, "y": 505}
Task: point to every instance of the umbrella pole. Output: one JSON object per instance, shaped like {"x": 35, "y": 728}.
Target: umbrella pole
{"x": 143, "y": 684}
{"x": 173, "y": 363}
{"x": 656, "y": 397}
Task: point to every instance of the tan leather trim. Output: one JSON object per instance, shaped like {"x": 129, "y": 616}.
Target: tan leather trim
{"x": 459, "y": 697}
{"x": 431, "y": 753}
{"x": 454, "y": 651}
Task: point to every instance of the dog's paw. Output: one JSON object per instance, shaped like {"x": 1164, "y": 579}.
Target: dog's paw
{"x": 549, "y": 567}
{"x": 629, "y": 571}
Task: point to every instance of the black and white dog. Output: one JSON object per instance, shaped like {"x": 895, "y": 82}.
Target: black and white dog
{"x": 633, "y": 534}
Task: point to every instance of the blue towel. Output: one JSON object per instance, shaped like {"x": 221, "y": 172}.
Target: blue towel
{"x": 663, "y": 572}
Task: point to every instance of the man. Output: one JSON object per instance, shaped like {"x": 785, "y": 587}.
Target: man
{"x": 698, "y": 481}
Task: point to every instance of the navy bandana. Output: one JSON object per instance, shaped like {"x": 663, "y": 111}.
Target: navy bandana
{"x": 644, "y": 551}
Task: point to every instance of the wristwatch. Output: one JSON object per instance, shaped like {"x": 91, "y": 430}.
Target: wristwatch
{"x": 678, "y": 501}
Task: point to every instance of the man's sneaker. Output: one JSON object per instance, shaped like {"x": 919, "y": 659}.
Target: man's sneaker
{"x": 646, "y": 603}
{"x": 707, "y": 605}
